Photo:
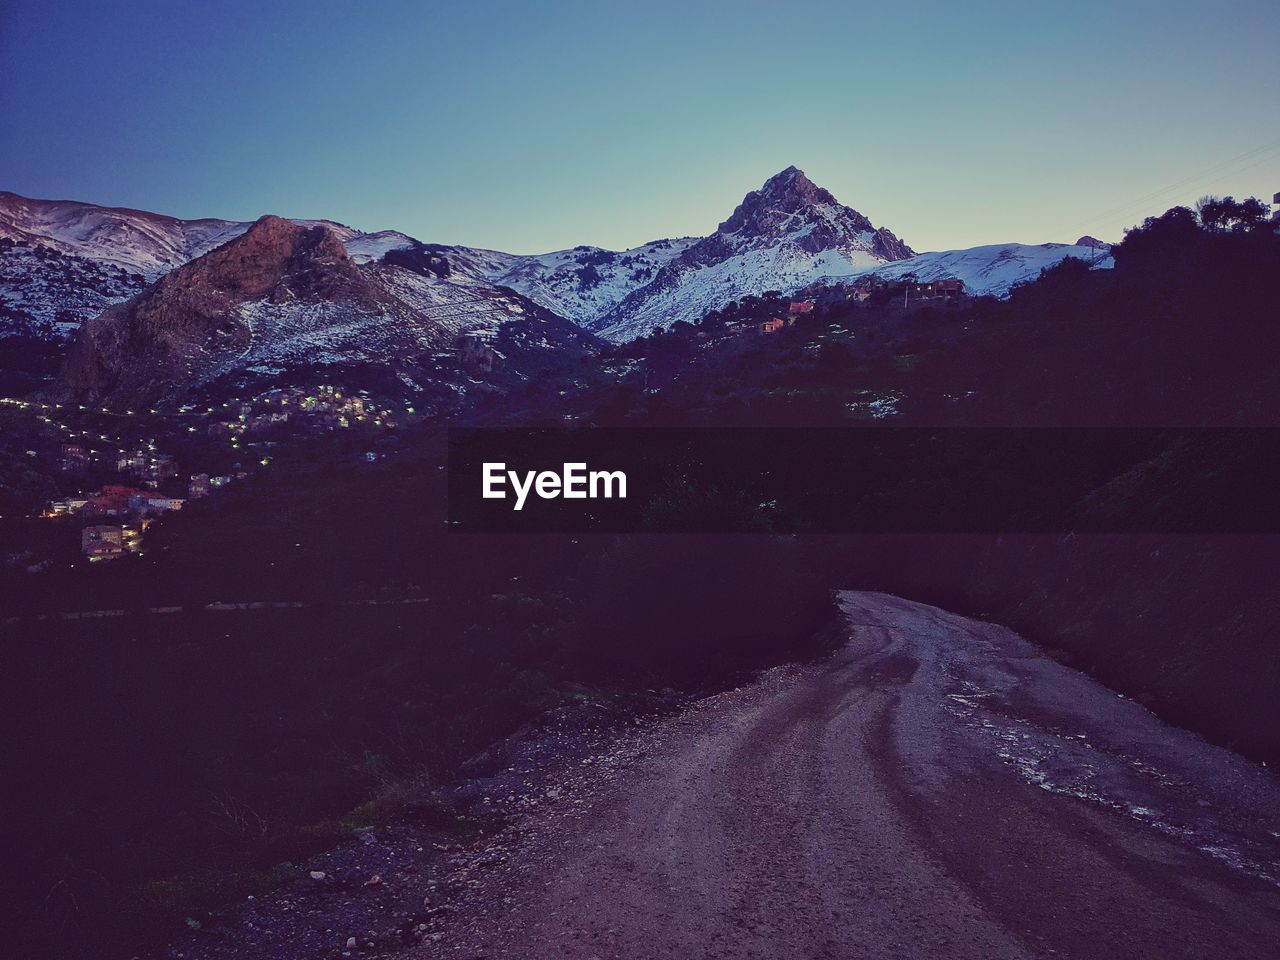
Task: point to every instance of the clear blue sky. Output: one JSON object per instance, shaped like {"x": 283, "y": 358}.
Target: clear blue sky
{"x": 531, "y": 126}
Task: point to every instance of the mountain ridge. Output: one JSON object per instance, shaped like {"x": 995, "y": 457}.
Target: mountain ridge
{"x": 283, "y": 296}
{"x": 149, "y": 243}
{"x": 787, "y": 235}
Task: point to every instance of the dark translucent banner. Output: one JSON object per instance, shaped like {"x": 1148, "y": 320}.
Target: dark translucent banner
{"x": 864, "y": 480}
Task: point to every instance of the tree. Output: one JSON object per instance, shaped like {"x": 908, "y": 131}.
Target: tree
{"x": 1222, "y": 214}
{"x": 1173, "y": 233}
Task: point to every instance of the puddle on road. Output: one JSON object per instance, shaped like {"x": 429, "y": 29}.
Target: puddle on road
{"x": 1067, "y": 764}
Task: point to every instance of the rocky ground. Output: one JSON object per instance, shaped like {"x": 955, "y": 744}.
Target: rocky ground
{"x": 394, "y": 887}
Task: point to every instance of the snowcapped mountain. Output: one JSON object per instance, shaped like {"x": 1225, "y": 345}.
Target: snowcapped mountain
{"x": 585, "y": 283}
{"x": 147, "y": 243}
{"x": 283, "y": 296}
{"x": 62, "y": 262}
{"x": 788, "y": 234}
{"x": 580, "y": 284}
{"x": 994, "y": 269}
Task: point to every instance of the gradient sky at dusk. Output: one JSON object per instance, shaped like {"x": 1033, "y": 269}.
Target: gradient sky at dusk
{"x": 532, "y": 126}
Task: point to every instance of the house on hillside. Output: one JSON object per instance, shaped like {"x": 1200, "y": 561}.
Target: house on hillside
{"x": 66, "y": 507}
{"x": 161, "y": 466}
{"x": 134, "y": 462}
{"x": 799, "y": 307}
{"x": 112, "y": 501}
{"x": 102, "y": 541}
{"x": 72, "y": 457}
{"x": 477, "y": 352}
{"x": 772, "y": 326}
{"x": 948, "y": 289}
{"x": 149, "y": 504}
{"x": 864, "y": 288}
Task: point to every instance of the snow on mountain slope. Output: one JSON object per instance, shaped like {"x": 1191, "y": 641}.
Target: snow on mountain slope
{"x": 692, "y": 294}
{"x": 579, "y": 284}
{"x": 48, "y": 294}
{"x": 456, "y": 304}
{"x": 276, "y": 282}
{"x": 788, "y": 234}
{"x": 994, "y": 269}
{"x": 283, "y": 297}
{"x": 367, "y": 247}
{"x": 585, "y": 282}
{"x": 147, "y": 243}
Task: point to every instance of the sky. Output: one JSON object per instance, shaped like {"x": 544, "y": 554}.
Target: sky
{"x": 532, "y": 126}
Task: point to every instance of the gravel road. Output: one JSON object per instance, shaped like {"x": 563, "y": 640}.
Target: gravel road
{"x": 937, "y": 788}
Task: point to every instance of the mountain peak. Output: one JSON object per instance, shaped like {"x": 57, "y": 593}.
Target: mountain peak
{"x": 786, "y": 177}
{"x": 793, "y": 181}
{"x": 791, "y": 207}
{"x": 292, "y": 237}
{"x": 786, "y": 235}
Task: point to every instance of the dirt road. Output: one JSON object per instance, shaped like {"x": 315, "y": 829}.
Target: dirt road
{"x": 937, "y": 789}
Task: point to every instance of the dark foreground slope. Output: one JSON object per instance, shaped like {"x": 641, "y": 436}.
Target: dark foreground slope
{"x": 183, "y": 754}
{"x": 936, "y": 788}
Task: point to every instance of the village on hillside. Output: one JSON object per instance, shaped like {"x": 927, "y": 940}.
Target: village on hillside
{"x": 116, "y": 474}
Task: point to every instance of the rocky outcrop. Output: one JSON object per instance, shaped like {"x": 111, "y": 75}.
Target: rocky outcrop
{"x": 791, "y": 207}
{"x": 885, "y": 244}
{"x": 190, "y": 320}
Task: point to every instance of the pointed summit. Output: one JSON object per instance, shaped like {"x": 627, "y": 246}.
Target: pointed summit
{"x": 793, "y": 182}
{"x": 792, "y": 207}
{"x": 787, "y": 235}
{"x": 784, "y": 179}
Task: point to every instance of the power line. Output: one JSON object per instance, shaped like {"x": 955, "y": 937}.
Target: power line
{"x": 1259, "y": 155}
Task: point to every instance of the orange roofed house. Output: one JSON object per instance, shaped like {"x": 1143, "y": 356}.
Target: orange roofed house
{"x": 102, "y": 541}
{"x": 112, "y": 501}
